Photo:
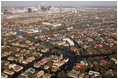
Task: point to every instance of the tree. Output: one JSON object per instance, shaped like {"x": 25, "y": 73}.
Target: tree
{"x": 30, "y": 75}
{"x": 102, "y": 71}
{"x": 48, "y": 71}
{"x": 50, "y": 63}
{"x": 97, "y": 67}
{"x": 61, "y": 74}
{"x": 66, "y": 67}
{"x": 53, "y": 51}
{"x": 53, "y": 74}
{"x": 83, "y": 69}
{"x": 41, "y": 66}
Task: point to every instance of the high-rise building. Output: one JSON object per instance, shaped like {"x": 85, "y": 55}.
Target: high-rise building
{"x": 30, "y": 10}
{"x": 45, "y": 8}
{"x": 6, "y": 11}
{"x": 36, "y": 6}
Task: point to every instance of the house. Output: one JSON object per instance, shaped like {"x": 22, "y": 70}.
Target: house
{"x": 91, "y": 65}
{"x": 114, "y": 60}
{"x": 85, "y": 46}
{"x": 78, "y": 65}
{"x": 27, "y": 41}
{"x": 11, "y": 58}
{"x": 4, "y": 75}
{"x": 61, "y": 43}
{"x": 30, "y": 59}
{"x": 81, "y": 75}
{"x": 79, "y": 42}
{"x": 17, "y": 54}
{"x": 31, "y": 70}
{"x": 84, "y": 63}
{"x": 69, "y": 28}
{"x": 45, "y": 50}
{"x": 13, "y": 33}
{"x": 46, "y": 75}
{"x": 69, "y": 41}
{"x": 18, "y": 49}
{"x": 43, "y": 61}
{"x": 4, "y": 23}
{"x": 54, "y": 68}
{"x": 24, "y": 75}
{"x": 66, "y": 45}
{"x": 15, "y": 67}
{"x": 4, "y": 54}
{"x": 87, "y": 76}
{"x": 92, "y": 76}
{"x": 100, "y": 45}
{"x": 40, "y": 73}
{"x": 109, "y": 72}
{"x": 60, "y": 57}
{"x": 37, "y": 65}
{"x": 73, "y": 49}
{"x": 6, "y": 62}
{"x": 15, "y": 44}
{"x": 90, "y": 40}
{"x": 32, "y": 47}
{"x": 46, "y": 67}
{"x": 94, "y": 73}
{"x": 45, "y": 23}
{"x": 21, "y": 76}
{"x": 31, "y": 43}
{"x": 25, "y": 62}
{"x": 77, "y": 52}
{"x": 95, "y": 62}
{"x": 19, "y": 59}
{"x": 55, "y": 25}
{"x": 73, "y": 74}
{"x": 9, "y": 72}
{"x": 103, "y": 61}
{"x": 58, "y": 64}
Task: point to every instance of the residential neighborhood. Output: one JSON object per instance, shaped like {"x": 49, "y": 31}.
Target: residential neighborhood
{"x": 58, "y": 42}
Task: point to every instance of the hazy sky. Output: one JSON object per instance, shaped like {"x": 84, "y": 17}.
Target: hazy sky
{"x": 59, "y": 3}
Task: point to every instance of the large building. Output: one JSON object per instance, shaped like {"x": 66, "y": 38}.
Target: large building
{"x": 69, "y": 41}
{"x": 30, "y": 10}
{"x": 44, "y": 8}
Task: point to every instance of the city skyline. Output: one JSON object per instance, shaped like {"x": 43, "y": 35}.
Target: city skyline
{"x": 70, "y": 40}
{"x": 60, "y": 3}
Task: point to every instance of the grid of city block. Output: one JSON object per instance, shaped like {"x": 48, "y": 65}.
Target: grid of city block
{"x": 56, "y": 39}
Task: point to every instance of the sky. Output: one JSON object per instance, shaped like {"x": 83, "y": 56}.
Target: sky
{"x": 60, "y": 3}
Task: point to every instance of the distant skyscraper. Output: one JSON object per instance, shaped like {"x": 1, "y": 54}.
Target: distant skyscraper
{"x": 5, "y": 11}
{"x": 36, "y": 6}
{"x": 44, "y": 8}
{"x": 30, "y": 10}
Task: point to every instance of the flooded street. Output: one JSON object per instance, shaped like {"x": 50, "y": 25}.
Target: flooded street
{"x": 73, "y": 58}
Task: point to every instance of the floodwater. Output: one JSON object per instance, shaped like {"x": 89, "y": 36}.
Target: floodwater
{"x": 68, "y": 54}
